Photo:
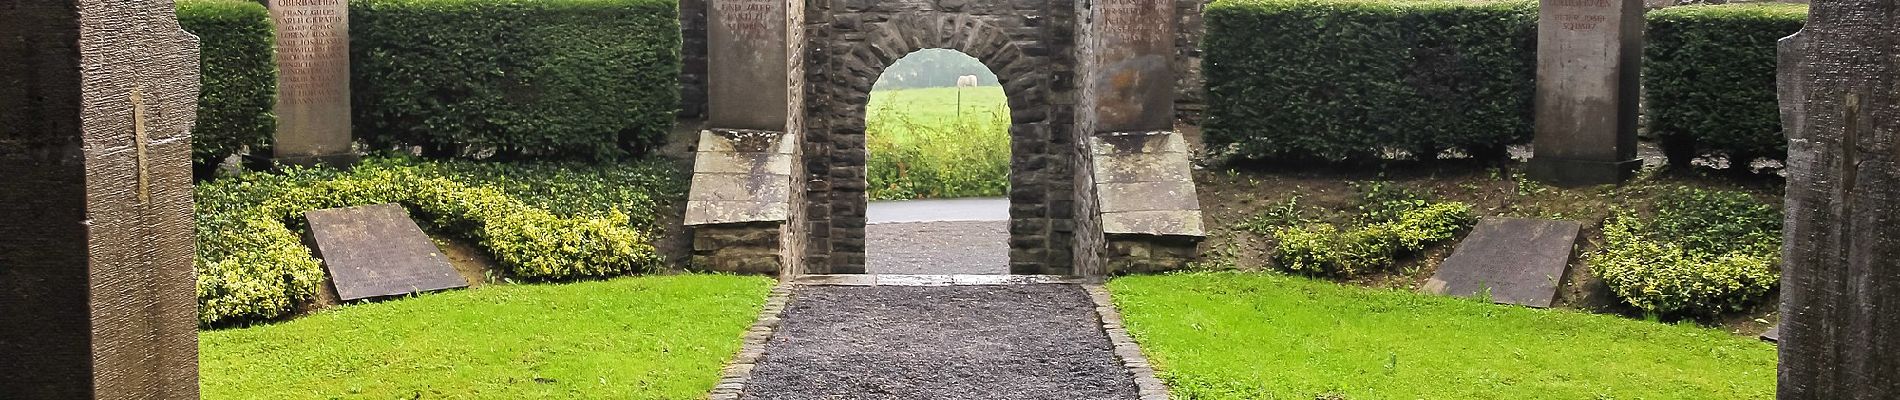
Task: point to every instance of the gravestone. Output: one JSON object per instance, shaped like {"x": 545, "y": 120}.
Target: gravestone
{"x": 1513, "y": 260}
{"x": 1773, "y": 335}
{"x": 313, "y": 81}
{"x": 376, "y": 251}
{"x": 1840, "y": 285}
{"x": 1589, "y": 55}
{"x": 97, "y": 298}
{"x": 1132, "y": 82}
{"x": 746, "y": 62}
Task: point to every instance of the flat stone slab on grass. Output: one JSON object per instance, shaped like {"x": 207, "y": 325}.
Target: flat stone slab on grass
{"x": 944, "y": 342}
{"x": 375, "y": 251}
{"x": 1518, "y": 261}
{"x": 1773, "y": 335}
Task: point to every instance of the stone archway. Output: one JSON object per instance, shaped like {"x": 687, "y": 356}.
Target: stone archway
{"x": 1099, "y": 181}
{"x": 1041, "y": 222}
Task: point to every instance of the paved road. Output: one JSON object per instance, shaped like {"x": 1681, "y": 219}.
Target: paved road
{"x": 979, "y": 209}
{"x": 937, "y": 237}
{"x": 957, "y": 342}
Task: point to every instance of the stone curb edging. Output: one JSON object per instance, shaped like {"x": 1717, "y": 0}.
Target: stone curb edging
{"x": 1148, "y": 387}
{"x": 733, "y": 377}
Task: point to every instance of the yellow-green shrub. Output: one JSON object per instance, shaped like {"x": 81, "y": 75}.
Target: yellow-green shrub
{"x": 252, "y": 264}
{"x": 1701, "y": 252}
{"x": 1324, "y": 249}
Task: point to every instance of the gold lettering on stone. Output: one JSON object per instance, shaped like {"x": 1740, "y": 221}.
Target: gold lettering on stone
{"x": 139, "y": 137}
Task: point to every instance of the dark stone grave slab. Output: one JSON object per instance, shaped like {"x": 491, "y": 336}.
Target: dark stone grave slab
{"x": 1773, "y": 335}
{"x": 374, "y": 251}
{"x": 1519, "y": 261}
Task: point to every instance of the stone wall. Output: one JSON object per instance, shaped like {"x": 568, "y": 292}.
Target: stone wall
{"x": 742, "y": 248}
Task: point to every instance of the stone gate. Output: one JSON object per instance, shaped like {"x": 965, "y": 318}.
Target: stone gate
{"x": 1097, "y": 173}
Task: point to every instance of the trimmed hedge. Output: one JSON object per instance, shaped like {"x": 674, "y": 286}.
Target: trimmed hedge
{"x": 239, "y": 77}
{"x": 1709, "y": 77}
{"x": 252, "y": 265}
{"x": 587, "y": 79}
{"x": 1348, "y": 79}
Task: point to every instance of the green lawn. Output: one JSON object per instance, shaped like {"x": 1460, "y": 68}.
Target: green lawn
{"x": 649, "y": 337}
{"x": 1267, "y": 336}
{"x": 921, "y": 147}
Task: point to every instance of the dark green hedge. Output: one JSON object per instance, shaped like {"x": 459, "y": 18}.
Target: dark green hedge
{"x": 591, "y": 79}
{"x": 1709, "y": 75}
{"x": 239, "y": 76}
{"x": 1344, "y": 80}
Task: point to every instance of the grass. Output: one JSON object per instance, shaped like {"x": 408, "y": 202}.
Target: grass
{"x": 922, "y": 147}
{"x": 652, "y": 337}
{"x": 1270, "y": 336}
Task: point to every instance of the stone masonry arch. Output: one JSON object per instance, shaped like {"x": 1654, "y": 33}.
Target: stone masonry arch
{"x": 1038, "y": 160}
{"x": 1098, "y": 183}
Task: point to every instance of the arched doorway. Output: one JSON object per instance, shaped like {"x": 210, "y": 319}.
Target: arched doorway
{"x": 1042, "y": 154}
{"x": 937, "y": 167}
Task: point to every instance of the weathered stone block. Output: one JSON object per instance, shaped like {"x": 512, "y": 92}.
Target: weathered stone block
{"x": 1589, "y": 57}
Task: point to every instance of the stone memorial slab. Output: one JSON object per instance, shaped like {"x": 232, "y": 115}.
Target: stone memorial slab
{"x": 740, "y": 176}
{"x": 1143, "y": 183}
{"x": 1589, "y": 55}
{"x": 1773, "y": 335}
{"x": 746, "y": 64}
{"x": 1517, "y": 261}
{"x": 1840, "y": 284}
{"x": 375, "y": 251}
{"x": 97, "y": 292}
{"x": 1133, "y": 51}
{"x": 313, "y": 81}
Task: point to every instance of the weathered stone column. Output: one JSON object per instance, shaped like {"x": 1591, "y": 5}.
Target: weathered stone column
{"x": 748, "y": 171}
{"x": 1840, "y": 290}
{"x": 313, "y": 82}
{"x": 1589, "y": 56}
{"x": 97, "y": 297}
{"x": 1142, "y": 212}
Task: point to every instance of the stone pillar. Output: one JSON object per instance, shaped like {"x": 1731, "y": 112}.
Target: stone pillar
{"x": 1840, "y": 290}
{"x": 97, "y": 298}
{"x": 313, "y": 82}
{"x": 1133, "y": 168}
{"x": 748, "y": 173}
{"x": 1589, "y": 56}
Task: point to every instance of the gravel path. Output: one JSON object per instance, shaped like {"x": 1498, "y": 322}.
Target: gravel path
{"x": 956, "y": 342}
{"x": 937, "y": 248}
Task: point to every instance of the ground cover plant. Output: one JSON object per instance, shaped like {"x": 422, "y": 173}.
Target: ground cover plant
{"x": 252, "y": 265}
{"x": 1698, "y": 251}
{"x": 648, "y": 337}
{"x": 1392, "y": 222}
{"x": 1247, "y": 204}
{"x": 1270, "y": 336}
{"x": 921, "y": 146}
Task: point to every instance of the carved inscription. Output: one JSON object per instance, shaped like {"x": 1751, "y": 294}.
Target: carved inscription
{"x": 1581, "y": 15}
{"x": 1123, "y": 21}
{"x": 750, "y": 19}
{"x": 312, "y": 50}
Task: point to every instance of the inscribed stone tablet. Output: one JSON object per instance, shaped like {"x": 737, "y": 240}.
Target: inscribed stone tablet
{"x": 377, "y": 250}
{"x": 1589, "y": 54}
{"x": 1134, "y": 50}
{"x": 313, "y": 80}
{"x": 1518, "y": 261}
{"x": 746, "y": 61}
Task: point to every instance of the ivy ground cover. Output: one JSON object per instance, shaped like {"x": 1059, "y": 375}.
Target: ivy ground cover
{"x": 649, "y": 337}
{"x": 1271, "y": 336}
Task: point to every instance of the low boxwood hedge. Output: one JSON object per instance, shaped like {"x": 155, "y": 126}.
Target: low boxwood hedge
{"x": 588, "y": 79}
{"x": 238, "y": 76}
{"x": 252, "y": 265}
{"x": 1699, "y": 252}
{"x": 1351, "y": 79}
{"x": 1709, "y": 79}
